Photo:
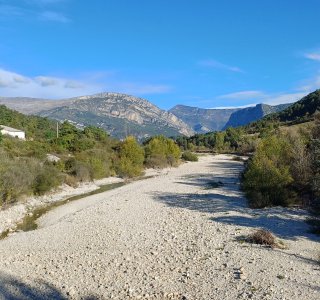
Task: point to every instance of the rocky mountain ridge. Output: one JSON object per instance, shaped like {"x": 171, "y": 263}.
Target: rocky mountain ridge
{"x": 119, "y": 114}
{"x": 122, "y": 115}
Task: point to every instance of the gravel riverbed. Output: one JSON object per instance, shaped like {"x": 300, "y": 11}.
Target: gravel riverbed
{"x": 178, "y": 235}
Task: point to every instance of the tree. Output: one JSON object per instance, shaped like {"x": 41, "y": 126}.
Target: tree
{"x": 161, "y": 151}
{"x": 267, "y": 177}
{"x": 131, "y": 158}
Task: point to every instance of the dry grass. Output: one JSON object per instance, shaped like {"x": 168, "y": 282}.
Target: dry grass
{"x": 266, "y": 238}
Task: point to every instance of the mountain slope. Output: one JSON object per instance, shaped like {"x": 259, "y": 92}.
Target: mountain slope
{"x": 302, "y": 110}
{"x": 120, "y": 115}
{"x": 251, "y": 114}
{"x": 203, "y": 120}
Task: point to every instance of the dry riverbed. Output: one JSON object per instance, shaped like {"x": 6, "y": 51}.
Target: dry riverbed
{"x": 178, "y": 235}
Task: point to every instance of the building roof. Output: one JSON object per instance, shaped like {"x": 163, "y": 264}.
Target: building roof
{"x": 10, "y": 129}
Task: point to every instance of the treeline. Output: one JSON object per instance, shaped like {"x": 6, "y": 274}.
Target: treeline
{"x": 230, "y": 140}
{"x": 75, "y": 156}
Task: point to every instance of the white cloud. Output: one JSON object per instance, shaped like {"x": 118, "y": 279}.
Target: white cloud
{"x": 284, "y": 98}
{"x": 313, "y": 56}
{"x": 263, "y": 97}
{"x": 233, "y": 107}
{"x": 211, "y": 63}
{"x": 71, "y": 84}
{"x": 16, "y": 85}
{"x": 46, "y": 81}
{"x": 243, "y": 95}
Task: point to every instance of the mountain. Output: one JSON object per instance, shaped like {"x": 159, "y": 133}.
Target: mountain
{"x": 251, "y": 114}
{"x": 119, "y": 114}
{"x": 203, "y": 120}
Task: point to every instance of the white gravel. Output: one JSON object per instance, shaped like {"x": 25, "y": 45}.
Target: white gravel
{"x": 10, "y": 216}
{"x": 167, "y": 237}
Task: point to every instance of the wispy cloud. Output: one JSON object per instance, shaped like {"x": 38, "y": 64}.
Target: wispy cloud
{"x": 211, "y": 63}
{"x": 263, "y": 97}
{"x": 274, "y": 99}
{"x": 243, "y": 95}
{"x": 17, "y": 85}
{"x": 313, "y": 55}
{"x": 34, "y": 10}
{"x": 54, "y": 16}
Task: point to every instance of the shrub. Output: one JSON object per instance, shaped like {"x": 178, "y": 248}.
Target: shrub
{"x": 71, "y": 181}
{"x": 161, "y": 152}
{"x": 80, "y": 170}
{"x": 263, "y": 237}
{"x": 16, "y": 177}
{"x": 267, "y": 178}
{"x": 131, "y": 157}
{"x": 189, "y": 156}
{"x": 99, "y": 162}
{"x": 48, "y": 178}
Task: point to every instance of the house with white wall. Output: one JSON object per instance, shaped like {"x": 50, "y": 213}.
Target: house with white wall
{"x": 13, "y": 132}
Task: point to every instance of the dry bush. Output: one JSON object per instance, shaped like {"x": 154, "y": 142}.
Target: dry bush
{"x": 71, "y": 181}
{"x": 263, "y": 237}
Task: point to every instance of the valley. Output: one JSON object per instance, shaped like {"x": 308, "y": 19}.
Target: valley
{"x": 168, "y": 237}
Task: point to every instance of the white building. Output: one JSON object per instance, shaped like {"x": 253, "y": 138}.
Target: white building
{"x": 13, "y": 132}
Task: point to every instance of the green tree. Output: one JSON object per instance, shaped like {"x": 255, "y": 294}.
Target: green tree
{"x": 131, "y": 158}
{"x": 161, "y": 152}
{"x": 267, "y": 178}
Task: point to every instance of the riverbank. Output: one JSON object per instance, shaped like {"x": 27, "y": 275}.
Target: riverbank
{"x": 11, "y": 216}
{"x": 178, "y": 235}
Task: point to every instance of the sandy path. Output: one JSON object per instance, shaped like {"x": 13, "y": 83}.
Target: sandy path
{"x": 167, "y": 237}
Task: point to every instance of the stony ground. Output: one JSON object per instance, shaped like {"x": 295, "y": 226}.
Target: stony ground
{"x": 175, "y": 236}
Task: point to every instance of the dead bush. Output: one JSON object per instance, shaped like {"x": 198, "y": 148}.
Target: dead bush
{"x": 263, "y": 237}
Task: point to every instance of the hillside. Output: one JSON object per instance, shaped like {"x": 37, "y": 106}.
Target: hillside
{"x": 298, "y": 112}
{"x": 251, "y": 114}
{"x": 302, "y": 110}
{"x": 35, "y": 127}
{"x": 203, "y": 120}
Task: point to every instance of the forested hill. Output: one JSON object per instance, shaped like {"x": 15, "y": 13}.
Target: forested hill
{"x": 35, "y": 127}
{"x": 299, "y": 112}
{"x": 302, "y": 110}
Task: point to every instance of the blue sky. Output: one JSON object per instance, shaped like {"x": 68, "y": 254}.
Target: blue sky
{"x": 197, "y": 52}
